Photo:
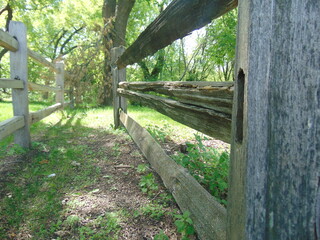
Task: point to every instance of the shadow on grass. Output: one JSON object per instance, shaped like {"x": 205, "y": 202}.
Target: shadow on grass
{"x": 33, "y": 182}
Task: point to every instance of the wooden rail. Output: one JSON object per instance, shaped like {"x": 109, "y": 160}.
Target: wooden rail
{"x": 37, "y": 116}
{"x": 38, "y": 58}
{"x": 43, "y": 88}
{"x": 8, "y": 42}
{"x": 210, "y": 122}
{"x": 11, "y": 125}
{"x": 208, "y": 215}
{"x": 179, "y": 19}
{"x": 11, "y": 83}
{"x": 217, "y": 96}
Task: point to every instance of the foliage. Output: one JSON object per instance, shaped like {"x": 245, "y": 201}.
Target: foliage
{"x": 161, "y": 236}
{"x": 73, "y": 31}
{"x": 148, "y": 184}
{"x": 184, "y": 225}
{"x": 160, "y": 133}
{"x": 142, "y": 168}
{"x": 154, "y": 211}
{"x": 62, "y": 30}
{"x": 209, "y": 167}
{"x": 222, "y": 34}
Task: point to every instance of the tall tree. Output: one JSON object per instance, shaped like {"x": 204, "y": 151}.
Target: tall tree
{"x": 222, "y": 34}
{"x": 115, "y": 16}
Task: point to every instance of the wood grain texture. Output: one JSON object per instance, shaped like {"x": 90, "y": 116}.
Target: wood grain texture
{"x": 212, "y": 95}
{"x": 208, "y": 215}
{"x": 178, "y": 20}
{"x": 8, "y": 42}
{"x": 19, "y": 71}
{"x": 37, "y": 116}
{"x": 11, "y": 125}
{"x": 212, "y": 123}
{"x": 11, "y": 83}
{"x": 279, "y": 160}
{"x": 238, "y": 168}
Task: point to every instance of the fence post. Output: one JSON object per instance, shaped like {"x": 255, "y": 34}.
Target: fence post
{"x": 60, "y": 82}
{"x": 19, "y": 70}
{"x": 117, "y": 77}
{"x": 275, "y": 153}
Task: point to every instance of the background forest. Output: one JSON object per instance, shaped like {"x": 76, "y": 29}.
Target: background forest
{"x": 81, "y": 33}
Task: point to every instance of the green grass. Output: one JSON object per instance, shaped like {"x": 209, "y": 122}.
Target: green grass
{"x": 33, "y": 199}
{"x": 147, "y": 117}
{"x": 34, "y": 191}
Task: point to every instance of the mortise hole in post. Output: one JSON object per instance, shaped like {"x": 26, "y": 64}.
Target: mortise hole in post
{"x": 240, "y": 104}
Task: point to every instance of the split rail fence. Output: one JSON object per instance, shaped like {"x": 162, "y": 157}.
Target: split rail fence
{"x": 19, "y": 125}
{"x": 274, "y": 181}
{"x": 204, "y": 106}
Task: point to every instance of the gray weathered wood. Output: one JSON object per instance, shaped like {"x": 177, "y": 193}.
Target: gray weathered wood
{"x": 19, "y": 70}
{"x": 212, "y": 123}
{"x": 8, "y": 42}
{"x": 37, "y": 116}
{"x": 11, "y": 83}
{"x": 60, "y": 82}
{"x": 179, "y": 19}
{"x": 208, "y": 215}
{"x": 217, "y": 96}
{"x": 237, "y": 174}
{"x": 117, "y": 77}
{"x": 38, "y": 58}
{"x": 11, "y": 125}
{"x": 42, "y": 88}
{"x": 275, "y": 194}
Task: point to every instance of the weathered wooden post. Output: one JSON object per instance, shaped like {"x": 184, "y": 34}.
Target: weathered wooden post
{"x": 275, "y": 169}
{"x": 60, "y": 82}
{"x": 117, "y": 77}
{"x": 19, "y": 70}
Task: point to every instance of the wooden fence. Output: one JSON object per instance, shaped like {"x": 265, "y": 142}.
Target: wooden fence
{"x": 16, "y": 42}
{"x": 204, "y": 106}
{"x": 274, "y": 181}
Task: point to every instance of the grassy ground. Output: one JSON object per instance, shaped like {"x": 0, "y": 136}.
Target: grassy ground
{"x": 84, "y": 180}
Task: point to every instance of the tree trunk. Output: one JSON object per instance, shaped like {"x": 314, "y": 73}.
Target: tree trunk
{"x": 157, "y": 69}
{"x": 115, "y": 16}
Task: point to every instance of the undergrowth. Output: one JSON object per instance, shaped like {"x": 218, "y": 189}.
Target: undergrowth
{"x": 208, "y": 166}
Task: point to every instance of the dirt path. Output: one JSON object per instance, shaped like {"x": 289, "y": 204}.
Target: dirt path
{"x": 114, "y": 196}
{"x": 118, "y": 189}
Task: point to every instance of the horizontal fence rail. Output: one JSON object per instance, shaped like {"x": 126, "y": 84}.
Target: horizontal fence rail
{"x": 19, "y": 53}
{"x": 37, "y": 116}
{"x": 204, "y": 106}
{"x": 11, "y": 83}
{"x": 38, "y": 58}
{"x": 208, "y": 215}
{"x": 177, "y": 21}
{"x": 8, "y": 42}
{"x": 43, "y": 88}
{"x": 11, "y": 125}
{"x": 216, "y": 96}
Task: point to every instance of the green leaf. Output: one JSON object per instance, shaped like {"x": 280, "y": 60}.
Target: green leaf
{"x": 180, "y": 225}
